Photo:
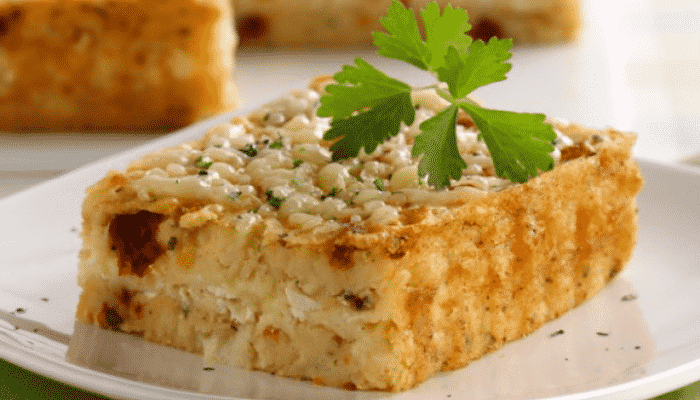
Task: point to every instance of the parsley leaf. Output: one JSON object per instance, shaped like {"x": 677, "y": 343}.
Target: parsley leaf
{"x": 445, "y": 31}
{"x": 438, "y": 144}
{"x": 484, "y": 64}
{"x": 403, "y": 42}
{"x": 519, "y": 143}
{"x": 369, "y": 129}
{"x": 358, "y": 87}
{"x": 368, "y": 107}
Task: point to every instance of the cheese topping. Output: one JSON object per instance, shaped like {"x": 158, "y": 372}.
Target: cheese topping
{"x": 276, "y": 163}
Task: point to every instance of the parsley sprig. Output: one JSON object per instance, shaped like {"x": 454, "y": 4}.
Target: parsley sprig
{"x": 368, "y": 107}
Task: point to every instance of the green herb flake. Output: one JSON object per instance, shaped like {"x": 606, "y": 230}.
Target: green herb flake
{"x": 203, "y": 163}
{"x": 266, "y": 117}
{"x": 234, "y": 195}
{"x": 277, "y": 144}
{"x": 275, "y": 202}
{"x": 332, "y": 193}
{"x": 249, "y": 150}
{"x": 379, "y": 184}
{"x": 203, "y": 172}
{"x": 297, "y": 163}
{"x": 368, "y": 107}
{"x": 556, "y": 333}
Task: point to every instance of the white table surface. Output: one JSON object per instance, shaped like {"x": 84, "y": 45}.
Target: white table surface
{"x": 636, "y": 68}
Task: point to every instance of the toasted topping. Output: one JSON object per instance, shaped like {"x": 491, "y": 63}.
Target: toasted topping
{"x": 284, "y": 170}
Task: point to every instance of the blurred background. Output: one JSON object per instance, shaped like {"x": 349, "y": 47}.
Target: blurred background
{"x": 635, "y": 67}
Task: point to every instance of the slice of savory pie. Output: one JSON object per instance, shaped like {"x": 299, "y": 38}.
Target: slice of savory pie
{"x": 350, "y": 22}
{"x": 250, "y": 247}
{"x": 119, "y": 65}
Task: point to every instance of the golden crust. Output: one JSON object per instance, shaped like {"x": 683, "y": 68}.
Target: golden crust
{"x": 446, "y": 287}
{"x": 85, "y": 65}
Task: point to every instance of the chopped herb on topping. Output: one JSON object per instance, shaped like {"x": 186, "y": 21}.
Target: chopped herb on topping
{"x": 234, "y": 195}
{"x": 628, "y": 297}
{"x": 177, "y": 181}
{"x": 218, "y": 146}
{"x": 20, "y": 310}
{"x": 249, "y": 150}
{"x": 275, "y": 202}
{"x": 266, "y": 117}
{"x": 208, "y": 369}
{"x": 557, "y": 333}
{"x": 203, "y": 163}
{"x": 332, "y": 193}
{"x": 295, "y": 181}
{"x": 297, "y": 163}
{"x": 602, "y": 333}
{"x": 172, "y": 243}
{"x": 379, "y": 184}
{"x": 277, "y": 144}
{"x": 203, "y": 172}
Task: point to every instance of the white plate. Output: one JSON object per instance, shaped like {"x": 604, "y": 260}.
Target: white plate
{"x": 609, "y": 348}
